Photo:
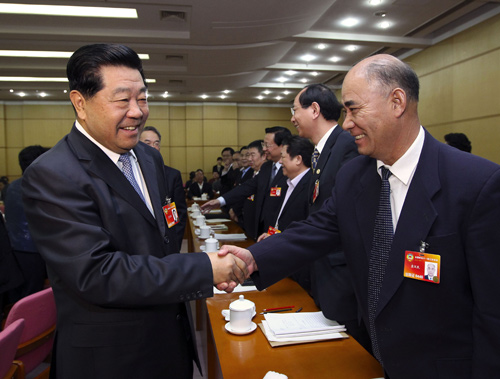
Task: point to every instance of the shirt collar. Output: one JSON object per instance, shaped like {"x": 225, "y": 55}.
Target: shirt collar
{"x": 322, "y": 141}
{"x": 292, "y": 183}
{"x": 405, "y": 166}
{"x": 111, "y": 154}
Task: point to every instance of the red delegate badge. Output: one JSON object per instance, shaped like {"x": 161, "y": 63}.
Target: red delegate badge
{"x": 171, "y": 215}
{"x": 422, "y": 266}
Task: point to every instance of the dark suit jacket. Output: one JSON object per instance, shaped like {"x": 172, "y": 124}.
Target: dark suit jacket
{"x": 120, "y": 288}
{"x": 10, "y": 274}
{"x": 425, "y": 330}
{"x": 330, "y": 282}
{"x": 175, "y": 191}
{"x": 238, "y": 208}
{"x": 296, "y": 208}
{"x": 194, "y": 190}
{"x": 259, "y": 186}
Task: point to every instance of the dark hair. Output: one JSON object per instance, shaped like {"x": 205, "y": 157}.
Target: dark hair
{"x": 299, "y": 146}
{"x": 152, "y": 129}
{"x": 258, "y": 145}
{"x": 391, "y": 74}
{"x": 29, "y": 154}
{"x": 279, "y": 132}
{"x": 191, "y": 175}
{"x": 4, "y": 180}
{"x": 459, "y": 141}
{"x": 230, "y": 149}
{"x": 219, "y": 158}
{"x": 329, "y": 106}
{"x": 84, "y": 66}
{"x": 243, "y": 148}
{"x": 200, "y": 170}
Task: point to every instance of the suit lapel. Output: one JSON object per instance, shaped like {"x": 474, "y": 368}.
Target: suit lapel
{"x": 98, "y": 163}
{"x": 416, "y": 219}
{"x": 297, "y": 193}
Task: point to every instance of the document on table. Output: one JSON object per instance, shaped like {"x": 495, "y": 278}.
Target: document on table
{"x": 301, "y": 327}
{"x": 216, "y": 220}
{"x": 230, "y": 237}
{"x": 239, "y": 288}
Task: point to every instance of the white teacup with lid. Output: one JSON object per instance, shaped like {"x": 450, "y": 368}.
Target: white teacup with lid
{"x": 240, "y": 316}
{"x": 211, "y": 245}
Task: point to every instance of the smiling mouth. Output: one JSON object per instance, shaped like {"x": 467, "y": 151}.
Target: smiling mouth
{"x": 130, "y": 128}
{"x": 359, "y": 136}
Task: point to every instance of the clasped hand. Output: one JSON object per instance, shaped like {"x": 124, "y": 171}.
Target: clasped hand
{"x": 231, "y": 265}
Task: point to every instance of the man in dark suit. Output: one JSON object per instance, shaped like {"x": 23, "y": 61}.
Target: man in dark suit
{"x": 315, "y": 113}
{"x": 199, "y": 186}
{"x": 268, "y": 187}
{"x": 175, "y": 190}
{"x": 296, "y": 163}
{"x": 442, "y": 206}
{"x": 94, "y": 207}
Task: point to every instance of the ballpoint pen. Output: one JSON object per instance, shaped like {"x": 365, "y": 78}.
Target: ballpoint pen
{"x": 276, "y": 311}
{"x": 298, "y": 310}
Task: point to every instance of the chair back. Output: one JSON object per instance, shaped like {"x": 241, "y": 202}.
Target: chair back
{"x": 39, "y": 313}
{"x": 9, "y": 339}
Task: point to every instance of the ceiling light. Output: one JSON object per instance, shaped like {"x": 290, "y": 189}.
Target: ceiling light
{"x": 260, "y": 97}
{"x": 308, "y": 57}
{"x": 42, "y": 94}
{"x": 222, "y": 96}
{"x": 349, "y": 22}
{"x": 384, "y": 25}
{"x": 278, "y": 97}
{"x": 165, "y": 94}
{"x": 282, "y": 79}
{"x": 65, "y": 91}
{"x": 285, "y": 92}
{"x": 11, "y": 90}
{"x": 66, "y": 10}
{"x": 304, "y": 80}
{"x": 374, "y": 2}
{"x": 335, "y": 59}
{"x": 204, "y": 96}
{"x": 46, "y": 54}
{"x": 266, "y": 92}
{"x": 321, "y": 46}
{"x": 351, "y": 48}
{"x": 30, "y": 79}
{"x": 290, "y": 73}
{"x": 22, "y": 94}
{"x": 314, "y": 73}
{"x": 226, "y": 91}
{"x": 380, "y": 14}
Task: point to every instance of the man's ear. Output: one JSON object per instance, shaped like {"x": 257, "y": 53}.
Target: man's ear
{"x": 316, "y": 109}
{"x": 399, "y": 101}
{"x": 79, "y": 103}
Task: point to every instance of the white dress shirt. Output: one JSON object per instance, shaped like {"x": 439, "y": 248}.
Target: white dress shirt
{"x": 292, "y": 183}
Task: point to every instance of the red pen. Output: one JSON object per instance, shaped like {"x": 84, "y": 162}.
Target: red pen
{"x": 275, "y": 309}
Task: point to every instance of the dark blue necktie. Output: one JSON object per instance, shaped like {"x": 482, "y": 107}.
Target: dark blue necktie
{"x": 129, "y": 174}
{"x": 382, "y": 241}
{"x": 314, "y": 159}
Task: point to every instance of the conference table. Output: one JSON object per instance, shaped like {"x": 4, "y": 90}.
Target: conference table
{"x": 251, "y": 355}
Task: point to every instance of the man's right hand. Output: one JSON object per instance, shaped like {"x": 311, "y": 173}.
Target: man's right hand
{"x": 263, "y": 236}
{"x": 209, "y": 205}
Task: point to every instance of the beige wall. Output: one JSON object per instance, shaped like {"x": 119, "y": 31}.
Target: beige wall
{"x": 459, "y": 78}
{"x": 459, "y": 87}
{"x": 193, "y": 135}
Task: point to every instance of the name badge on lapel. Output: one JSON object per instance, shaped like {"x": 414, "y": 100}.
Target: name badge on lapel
{"x": 272, "y": 231}
{"x": 275, "y": 192}
{"x": 422, "y": 266}
{"x": 170, "y": 212}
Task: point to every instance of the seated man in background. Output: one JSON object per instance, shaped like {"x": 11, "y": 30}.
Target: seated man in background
{"x": 200, "y": 187}
{"x": 175, "y": 190}
{"x": 29, "y": 259}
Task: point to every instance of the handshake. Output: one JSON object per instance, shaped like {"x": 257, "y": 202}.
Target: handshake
{"x": 230, "y": 266}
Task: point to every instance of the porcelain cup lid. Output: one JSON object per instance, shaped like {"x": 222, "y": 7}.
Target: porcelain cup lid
{"x": 241, "y": 304}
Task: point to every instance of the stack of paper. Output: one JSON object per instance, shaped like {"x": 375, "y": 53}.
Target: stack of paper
{"x": 300, "y": 328}
{"x": 231, "y": 237}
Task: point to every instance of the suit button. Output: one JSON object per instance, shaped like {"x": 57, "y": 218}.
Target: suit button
{"x": 188, "y": 297}
{"x": 166, "y": 240}
{"x": 199, "y": 294}
{"x": 178, "y": 317}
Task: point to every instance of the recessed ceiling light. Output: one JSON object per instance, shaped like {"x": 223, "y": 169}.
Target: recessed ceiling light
{"x": 266, "y": 92}
{"x": 290, "y": 72}
{"x": 321, "y": 46}
{"x": 226, "y": 91}
{"x": 349, "y": 22}
{"x": 308, "y": 57}
{"x": 335, "y": 59}
{"x": 22, "y": 94}
{"x": 165, "y": 94}
{"x": 65, "y": 91}
{"x": 374, "y": 2}
{"x": 66, "y": 10}
{"x": 260, "y": 97}
{"x": 285, "y": 92}
{"x": 384, "y": 25}
{"x": 11, "y": 90}
{"x": 304, "y": 80}
{"x": 351, "y": 48}
{"x": 204, "y": 96}
{"x": 222, "y": 96}
{"x": 314, "y": 73}
{"x": 42, "y": 94}
{"x": 278, "y": 97}
{"x": 282, "y": 79}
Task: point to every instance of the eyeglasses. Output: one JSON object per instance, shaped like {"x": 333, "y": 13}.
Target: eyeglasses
{"x": 292, "y": 109}
{"x": 267, "y": 145}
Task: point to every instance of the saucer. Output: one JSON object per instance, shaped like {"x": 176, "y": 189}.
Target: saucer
{"x": 202, "y": 247}
{"x": 252, "y": 328}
